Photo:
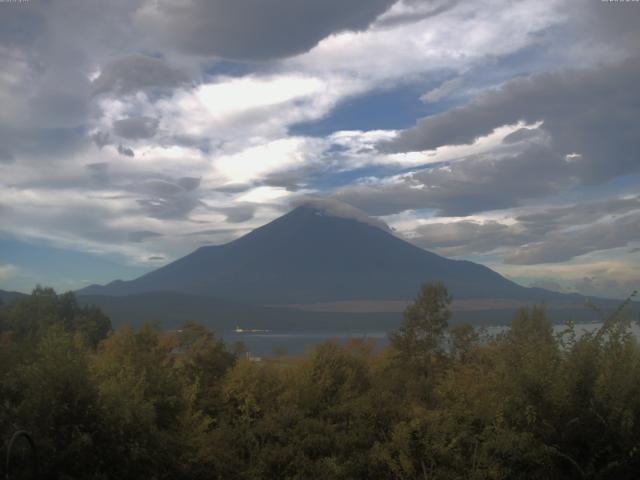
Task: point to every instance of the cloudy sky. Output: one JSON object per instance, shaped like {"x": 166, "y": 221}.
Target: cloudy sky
{"x": 504, "y": 132}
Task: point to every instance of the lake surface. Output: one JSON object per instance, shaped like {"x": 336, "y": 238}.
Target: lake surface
{"x": 264, "y": 344}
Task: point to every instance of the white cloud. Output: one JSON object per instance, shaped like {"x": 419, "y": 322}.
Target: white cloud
{"x": 258, "y": 161}
{"x": 443, "y": 91}
{"x": 592, "y": 275}
{"x": 483, "y": 30}
{"x": 7, "y": 270}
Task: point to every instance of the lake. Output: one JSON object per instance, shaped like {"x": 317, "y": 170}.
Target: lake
{"x": 264, "y": 344}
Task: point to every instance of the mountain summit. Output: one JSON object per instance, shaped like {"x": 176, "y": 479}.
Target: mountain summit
{"x": 319, "y": 252}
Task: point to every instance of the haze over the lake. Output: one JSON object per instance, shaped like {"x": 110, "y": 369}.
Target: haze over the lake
{"x": 506, "y": 133}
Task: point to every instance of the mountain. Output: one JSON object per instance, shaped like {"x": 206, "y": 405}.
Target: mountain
{"x": 314, "y": 255}
{"x": 8, "y": 297}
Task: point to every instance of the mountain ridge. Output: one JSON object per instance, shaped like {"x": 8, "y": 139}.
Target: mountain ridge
{"x": 311, "y": 256}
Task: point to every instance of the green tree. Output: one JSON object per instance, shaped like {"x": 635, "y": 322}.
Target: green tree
{"x": 424, "y": 324}
{"x": 50, "y": 394}
{"x": 204, "y": 359}
{"x": 30, "y": 318}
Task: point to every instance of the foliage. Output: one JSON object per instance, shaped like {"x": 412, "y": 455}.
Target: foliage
{"x": 438, "y": 403}
{"x": 425, "y": 321}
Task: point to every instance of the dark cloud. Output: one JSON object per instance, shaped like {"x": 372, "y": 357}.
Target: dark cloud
{"x": 136, "y": 72}
{"x": 101, "y": 139}
{"x": 606, "y": 23}
{"x": 217, "y": 231}
{"x": 238, "y": 213}
{"x": 6, "y": 156}
{"x": 565, "y": 245}
{"x": 234, "y": 188}
{"x": 142, "y": 235}
{"x": 18, "y": 143}
{"x": 162, "y": 188}
{"x": 255, "y": 29}
{"x": 136, "y": 127}
{"x": 592, "y": 113}
{"x": 189, "y": 183}
{"x": 467, "y": 237}
{"x": 125, "y": 151}
{"x": 474, "y": 185}
{"x": 292, "y": 180}
{"x": 561, "y": 217}
{"x": 47, "y": 52}
{"x": 544, "y": 236}
{"x": 99, "y": 173}
{"x": 170, "y": 199}
{"x": 169, "y": 207}
{"x": 425, "y": 9}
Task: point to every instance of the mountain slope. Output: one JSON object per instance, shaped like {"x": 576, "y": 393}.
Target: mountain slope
{"x": 8, "y": 297}
{"x": 310, "y": 255}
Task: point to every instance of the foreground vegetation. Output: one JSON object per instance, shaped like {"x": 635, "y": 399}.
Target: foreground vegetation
{"x": 439, "y": 403}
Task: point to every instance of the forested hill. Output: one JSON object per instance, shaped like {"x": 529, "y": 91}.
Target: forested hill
{"x": 8, "y": 296}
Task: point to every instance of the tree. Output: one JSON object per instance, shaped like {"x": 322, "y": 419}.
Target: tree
{"x": 30, "y": 318}
{"x": 425, "y": 323}
{"x": 463, "y": 339}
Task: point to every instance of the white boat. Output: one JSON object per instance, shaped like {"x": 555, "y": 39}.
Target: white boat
{"x": 249, "y": 330}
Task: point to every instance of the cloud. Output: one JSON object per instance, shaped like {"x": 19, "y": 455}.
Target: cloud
{"x": 7, "y": 270}
{"x": 189, "y": 183}
{"x": 565, "y": 245}
{"x": 541, "y": 235}
{"x": 443, "y": 91}
{"x": 554, "y": 218}
{"x": 476, "y": 184}
{"x": 467, "y": 237}
{"x": 99, "y": 173}
{"x": 170, "y": 199}
{"x": 254, "y": 29}
{"x": 522, "y": 134}
{"x": 605, "y": 283}
{"x": 101, "y": 139}
{"x": 587, "y": 112}
{"x": 142, "y": 235}
{"x": 134, "y": 128}
{"x": 611, "y": 277}
{"x": 412, "y": 11}
{"x": 238, "y": 213}
{"x": 126, "y": 151}
{"x": 135, "y": 72}
{"x": 293, "y": 179}
{"x": 334, "y": 208}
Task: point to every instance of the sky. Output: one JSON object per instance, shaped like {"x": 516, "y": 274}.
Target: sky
{"x": 504, "y": 132}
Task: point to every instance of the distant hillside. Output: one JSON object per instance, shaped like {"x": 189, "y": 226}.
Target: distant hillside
{"x": 8, "y": 297}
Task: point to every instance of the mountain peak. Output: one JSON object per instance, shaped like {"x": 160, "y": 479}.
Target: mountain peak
{"x": 333, "y": 208}
{"x": 321, "y": 251}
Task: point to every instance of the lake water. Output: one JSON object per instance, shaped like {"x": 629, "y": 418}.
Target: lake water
{"x": 265, "y": 344}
